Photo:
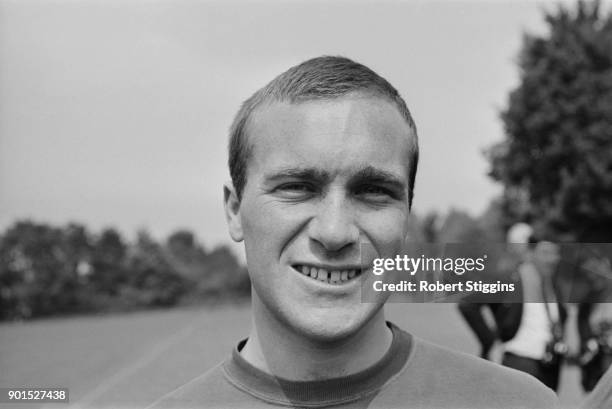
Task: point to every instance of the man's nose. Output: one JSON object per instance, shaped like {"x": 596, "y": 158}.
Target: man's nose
{"x": 333, "y": 227}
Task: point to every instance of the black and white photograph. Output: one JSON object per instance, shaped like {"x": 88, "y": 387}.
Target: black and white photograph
{"x": 306, "y": 204}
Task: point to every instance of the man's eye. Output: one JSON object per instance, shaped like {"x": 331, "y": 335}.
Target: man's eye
{"x": 374, "y": 192}
{"x": 295, "y": 189}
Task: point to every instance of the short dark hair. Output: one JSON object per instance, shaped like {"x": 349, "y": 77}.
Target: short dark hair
{"x": 318, "y": 78}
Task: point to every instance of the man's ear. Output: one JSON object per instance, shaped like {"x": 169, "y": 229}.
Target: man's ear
{"x": 232, "y": 212}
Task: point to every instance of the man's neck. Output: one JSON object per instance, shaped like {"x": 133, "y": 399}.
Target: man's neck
{"x": 280, "y": 352}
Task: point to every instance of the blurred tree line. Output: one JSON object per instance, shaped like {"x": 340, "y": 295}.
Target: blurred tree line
{"x": 46, "y": 270}
{"x": 556, "y": 161}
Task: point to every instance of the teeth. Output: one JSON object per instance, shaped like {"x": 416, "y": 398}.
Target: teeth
{"x": 330, "y": 277}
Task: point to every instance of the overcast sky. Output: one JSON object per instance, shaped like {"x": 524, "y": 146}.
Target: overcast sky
{"x": 115, "y": 113}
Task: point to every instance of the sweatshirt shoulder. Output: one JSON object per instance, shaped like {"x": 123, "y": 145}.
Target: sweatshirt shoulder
{"x": 200, "y": 391}
{"x": 475, "y": 380}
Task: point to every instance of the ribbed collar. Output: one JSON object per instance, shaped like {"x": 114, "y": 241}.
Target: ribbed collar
{"x": 332, "y": 391}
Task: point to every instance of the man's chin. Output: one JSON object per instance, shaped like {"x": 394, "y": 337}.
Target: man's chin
{"x": 330, "y": 327}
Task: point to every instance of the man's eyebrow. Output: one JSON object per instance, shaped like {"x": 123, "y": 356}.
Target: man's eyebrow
{"x": 375, "y": 175}
{"x": 296, "y": 173}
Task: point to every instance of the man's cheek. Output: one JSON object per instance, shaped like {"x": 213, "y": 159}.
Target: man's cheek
{"x": 386, "y": 232}
{"x": 278, "y": 222}
{"x": 258, "y": 225}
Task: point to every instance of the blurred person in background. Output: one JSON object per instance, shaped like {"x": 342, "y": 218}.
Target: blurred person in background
{"x": 486, "y": 331}
{"x": 537, "y": 345}
{"x": 595, "y": 330}
{"x": 595, "y": 314}
{"x": 531, "y": 330}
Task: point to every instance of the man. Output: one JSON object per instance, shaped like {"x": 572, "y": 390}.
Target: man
{"x": 592, "y": 289}
{"x": 537, "y": 346}
{"x": 532, "y": 330}
{"x": 323, "y": 160}
{"x": 595, "y": 331}
{"x": 595, "y": 321}
{"x": 517, "y": 238}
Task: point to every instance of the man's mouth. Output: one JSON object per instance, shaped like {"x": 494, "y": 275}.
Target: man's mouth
{"x": 327, "y": 276}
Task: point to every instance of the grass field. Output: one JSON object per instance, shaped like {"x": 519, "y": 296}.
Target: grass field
{"x": 130, "y": 360}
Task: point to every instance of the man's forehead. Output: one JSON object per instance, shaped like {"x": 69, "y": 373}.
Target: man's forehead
{"x": 354, "y": 108}
{"x": 341, "y": 121}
